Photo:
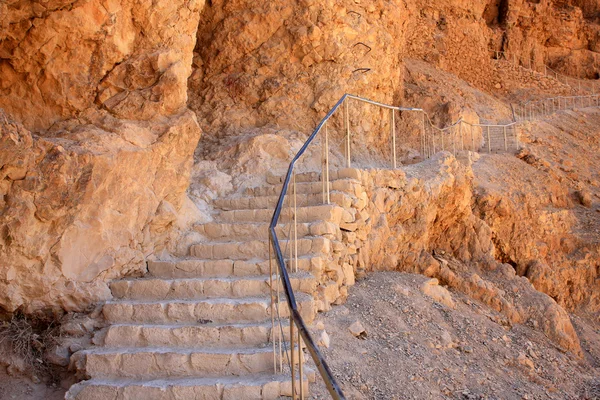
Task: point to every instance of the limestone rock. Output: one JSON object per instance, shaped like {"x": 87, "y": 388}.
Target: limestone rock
{"x": 323, "y": 339}
{"x": 89, "y": 207}
{"x": 584, "y": 197}
{"x": 438, "y": 293}
{"x": 116, "y": 60}
{"x": 357, "y": 329}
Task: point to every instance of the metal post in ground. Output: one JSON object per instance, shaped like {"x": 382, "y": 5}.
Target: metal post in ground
{"x": 348, "y": 163}
{"x": 393, "y": 138}
{"x": 488, "y": 137}
{"x": 293, "y": 357}
{"x": 423, "y": 135}
{"x": 472, "y": 138}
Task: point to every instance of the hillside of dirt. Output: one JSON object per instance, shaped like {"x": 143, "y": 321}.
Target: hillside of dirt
{"x": 415, "y": 347}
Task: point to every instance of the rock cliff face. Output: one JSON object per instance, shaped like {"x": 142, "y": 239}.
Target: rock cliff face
{"x": 564, "y": 35}
{"x": 284, "y": 64}
{"x": 59, "y": 58}
{"x": 96, "y": 143}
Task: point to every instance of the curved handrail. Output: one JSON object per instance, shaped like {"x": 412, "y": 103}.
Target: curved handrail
{"x": 330, "y": 381}
{"x": 332, "y": 385}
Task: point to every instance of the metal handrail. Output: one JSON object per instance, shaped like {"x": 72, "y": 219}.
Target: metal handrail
{"x": 295, "y": 316}
{"x": 330, "y": 382}
{"x": 531, "y": 109}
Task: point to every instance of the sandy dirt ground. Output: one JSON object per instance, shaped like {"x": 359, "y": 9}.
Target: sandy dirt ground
{"x": 415, "y": 348}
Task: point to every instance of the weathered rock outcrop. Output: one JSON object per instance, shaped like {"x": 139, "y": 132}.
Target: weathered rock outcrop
{"x": 96, "y": 143}
{"x": 61, "y": 57}
{"x": 284, "y": 64}
{"x": 561, "y": 34}
{"x": 87, "y": 206}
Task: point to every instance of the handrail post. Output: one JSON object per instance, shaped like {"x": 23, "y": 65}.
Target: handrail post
{"x": 394, "y": 138}
{"x": 271, "y": 289}
{"x": 323, "y": 150}
{"x": 443, "y": 147}
{"x": 453, "y": 143}
{"x": 347, "y": 133}
{"x": 278, "y": 307}
{"x": 295, "y": 226}
{"x": 327, "y": 162}
{"x": 293, "y": 358}
{"x": 300, "y": 366}
{"x": 505, "y": 140}
{"x": 472, "y": 138}
{"x": 489, "y": 142}
{"x": 462, "y": 138}
{"x": 423, "y": 136}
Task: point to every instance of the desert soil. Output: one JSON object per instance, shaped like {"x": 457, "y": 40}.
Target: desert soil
{"x": 416, "y": 348}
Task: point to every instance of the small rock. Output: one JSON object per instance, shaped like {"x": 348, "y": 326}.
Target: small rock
{"x": 467, "y": 349}
{"x": 526, "y": 362}
{"x": 358, "y": 330}
{"x": 438, "y": 293}
{"x": 59, "y": 355}
{"x": 446, "y": 339}
{"x": 498, "y": 86}
{"x": 584, "y": 197}
{"x": 323, "y": 340}
{"x": 320, "y": 325}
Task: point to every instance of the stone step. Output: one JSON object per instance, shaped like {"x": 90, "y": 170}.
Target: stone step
{"x": 327, "y": 212}
{"x": 248, "y": 250}
{"x": 191, "y": 335}
{"x": 196, "y": 268}
{"x": 246, "y": 230}
{"x": 160, "y": 363}
{"x": 219, "y": 310}
{"x": 312, "y": 176}
{"x": 315, "y": 176}
{"x": 342, "y": 185}
{"x": 247, "y": 387}
{"x": 260, "y": 230}
{"x": 269, "y": 202}
{"x": 200, "y": 288}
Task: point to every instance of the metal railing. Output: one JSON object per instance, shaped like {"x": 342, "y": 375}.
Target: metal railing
{"x": 462, "y": 135}
{"x": 429, "y": 138}
{"x": 280, "y": 276}
{"x": 533, "y": 109}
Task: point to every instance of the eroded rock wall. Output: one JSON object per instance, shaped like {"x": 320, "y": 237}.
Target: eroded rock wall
{"x": 96, "y": 143}
{"x": 285, "y": 64}
{"x": 564, "y": 35}
{"x": 61, "y": 57}
{"x": 424, "y": 219}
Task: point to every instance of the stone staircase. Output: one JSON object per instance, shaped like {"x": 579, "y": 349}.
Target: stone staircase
{"x": 200, "y": 327}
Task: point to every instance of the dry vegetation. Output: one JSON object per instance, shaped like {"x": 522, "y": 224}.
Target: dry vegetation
{"x": 25, "y": 342}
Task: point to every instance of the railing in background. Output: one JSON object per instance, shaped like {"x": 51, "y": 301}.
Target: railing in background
{"x": 429, "y": 139}
{"x": 462, "y": 135}
{"x": 533, "y": 109}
